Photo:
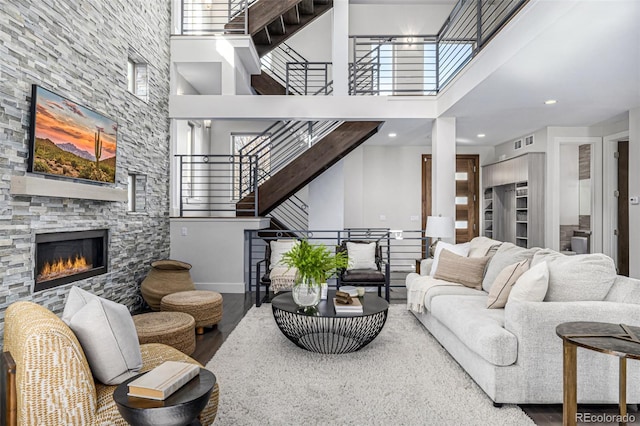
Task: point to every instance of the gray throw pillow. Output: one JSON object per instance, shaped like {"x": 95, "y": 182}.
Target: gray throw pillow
{"x": 507, "y": 254}
{"x": 581, "y": 277}
{"x": 107, "y": 334}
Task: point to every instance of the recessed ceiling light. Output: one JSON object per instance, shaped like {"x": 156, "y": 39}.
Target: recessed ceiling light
{"x": 481, "y": 135}
{"x": 392, "y": 135}
{"x": 550, "y": 102}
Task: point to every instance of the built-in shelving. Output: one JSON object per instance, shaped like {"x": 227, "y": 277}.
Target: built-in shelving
{"x": 513, "y": 192}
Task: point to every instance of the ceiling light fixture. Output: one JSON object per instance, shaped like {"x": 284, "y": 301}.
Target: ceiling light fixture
{"x": 550, "y": 102}
{"x": 481, "y": 135}
{"x": 392, "y": 135}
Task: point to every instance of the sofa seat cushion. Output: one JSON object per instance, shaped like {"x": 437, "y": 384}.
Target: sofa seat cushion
{"x": 421, "y": 290}
{"x": 480, "y": 329}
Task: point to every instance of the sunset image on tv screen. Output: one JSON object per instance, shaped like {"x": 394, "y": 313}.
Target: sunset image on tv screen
{"x": 71, "y": 140}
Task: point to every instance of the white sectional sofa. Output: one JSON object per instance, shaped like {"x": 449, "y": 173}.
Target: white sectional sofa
{"x": 513, "y": 353}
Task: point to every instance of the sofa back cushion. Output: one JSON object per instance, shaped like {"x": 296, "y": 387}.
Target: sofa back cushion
{"x": 624, "y": 290}
{"x": 483, "y": 246}
{"x": 507, "y": 254}
{"x": 467, "y": 271}
{"x": 577, "y": 278}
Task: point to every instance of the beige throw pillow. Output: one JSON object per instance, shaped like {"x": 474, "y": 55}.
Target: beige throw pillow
{"x": 461, "y": 249}
{"x": 467, "y": 271}
{"x": 501, "y": 288}
{"x": 532, "y": 285}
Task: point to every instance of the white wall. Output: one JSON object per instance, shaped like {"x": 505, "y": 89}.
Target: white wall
{"x": 408, "y": 19}
{"x": 326, "y": 199}
{"x": 568, "y": 185}
{"x": 313, "y": 42}
{"x": 221, "y": 131}
{"x": 215, "y": 248}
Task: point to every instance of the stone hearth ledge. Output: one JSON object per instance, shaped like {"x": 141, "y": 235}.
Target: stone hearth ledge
{"x": 31, "y": 185}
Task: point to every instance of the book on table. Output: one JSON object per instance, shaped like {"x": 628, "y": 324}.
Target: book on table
{"x": 355, "y": 307}
{"x": 163, "y": 380}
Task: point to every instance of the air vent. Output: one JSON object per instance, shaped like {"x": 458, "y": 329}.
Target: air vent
{"x": 517, "y": 144}
{"x": 528, "y": 140}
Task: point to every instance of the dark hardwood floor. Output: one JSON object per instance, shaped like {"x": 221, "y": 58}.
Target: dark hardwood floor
{"x": 235, "y": 306}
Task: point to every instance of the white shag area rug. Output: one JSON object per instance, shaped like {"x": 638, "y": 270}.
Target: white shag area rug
{"x": 403, "y": 377}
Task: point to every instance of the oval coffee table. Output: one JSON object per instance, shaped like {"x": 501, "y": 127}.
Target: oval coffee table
{"x": 326, "y": 332}
{"x": 180, "y": 408}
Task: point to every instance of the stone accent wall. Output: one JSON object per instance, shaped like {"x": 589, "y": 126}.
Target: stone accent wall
{"x": 79, "y": 49}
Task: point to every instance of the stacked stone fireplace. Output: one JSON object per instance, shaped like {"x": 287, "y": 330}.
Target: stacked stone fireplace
{"x": 64, "y": 257}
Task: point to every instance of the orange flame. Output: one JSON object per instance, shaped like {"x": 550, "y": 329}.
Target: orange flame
{"x": 63, "y": 268}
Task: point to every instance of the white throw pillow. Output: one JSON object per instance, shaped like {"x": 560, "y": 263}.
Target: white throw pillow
{"x": 459, "y": 249}
{"x": 278, "y": 248}
{"x": 361, "y": 255}
{"x": 532, "y": 285}
{"x": 107, "y": 335}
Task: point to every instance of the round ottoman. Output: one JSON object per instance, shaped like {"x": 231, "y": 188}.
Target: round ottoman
{"x": 166, "y": 276}
{"x": 171, "y": 328}
{"x": 204, "y": 306}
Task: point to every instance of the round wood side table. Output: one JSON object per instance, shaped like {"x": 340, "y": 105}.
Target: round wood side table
{"x": 619, "y": 340}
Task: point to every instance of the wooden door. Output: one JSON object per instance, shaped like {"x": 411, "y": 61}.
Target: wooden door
{"x": 467, "y": 195}
{"x": 622, "y": 230}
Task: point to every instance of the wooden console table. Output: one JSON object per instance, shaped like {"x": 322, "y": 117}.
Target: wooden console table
{"x": 614, "y": 339}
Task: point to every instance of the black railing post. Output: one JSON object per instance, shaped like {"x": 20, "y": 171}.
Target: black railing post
{"x": 306, "y": 77}
{"x": 180, "y": 186}
{"x": 287, "y": 79}
{"x": 438, "y": 65}
{"x": 182, "y": 17}
{"x": 255, "y": 186}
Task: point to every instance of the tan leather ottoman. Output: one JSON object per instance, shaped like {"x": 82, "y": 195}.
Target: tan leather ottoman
{"x": 175, "y": 329}
{"x": 204, "y": 306}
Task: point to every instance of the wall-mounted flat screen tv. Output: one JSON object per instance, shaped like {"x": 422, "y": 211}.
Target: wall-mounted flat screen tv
{"x": 70, "y": 140}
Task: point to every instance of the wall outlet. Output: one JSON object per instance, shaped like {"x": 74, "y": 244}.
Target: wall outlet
{"x": 415, "y": 218}
{"x": 634, "y": 200}
{"x": 183, "y": 231}
{"x": 383, "y": 217}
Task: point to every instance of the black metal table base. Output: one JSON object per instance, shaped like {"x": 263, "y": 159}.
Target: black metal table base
{"x": 330, "y": 335}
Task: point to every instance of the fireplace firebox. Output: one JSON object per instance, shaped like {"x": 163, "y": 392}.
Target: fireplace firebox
{"x": 65, "y": 257}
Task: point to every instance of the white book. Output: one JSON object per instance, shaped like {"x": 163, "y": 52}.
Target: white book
{"x": 163, "y": 380}
{"x": 353, "y": 308}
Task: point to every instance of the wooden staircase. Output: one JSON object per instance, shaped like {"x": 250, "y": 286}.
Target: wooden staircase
{"x": 310, "y": 164}
{"x": 271, "y": 22}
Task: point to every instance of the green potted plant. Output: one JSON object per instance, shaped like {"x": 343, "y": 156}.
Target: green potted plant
{"x": 314, "y": 264}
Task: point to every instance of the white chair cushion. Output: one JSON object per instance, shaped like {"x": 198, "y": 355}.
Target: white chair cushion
{"x": 361, "y": 255}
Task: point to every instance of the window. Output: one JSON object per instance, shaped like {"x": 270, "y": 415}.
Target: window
{"x": 137, "y": 77}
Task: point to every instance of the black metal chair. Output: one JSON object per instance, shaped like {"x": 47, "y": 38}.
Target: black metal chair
{"x": 264, "y": 279}
{"x": 378, "y": 277}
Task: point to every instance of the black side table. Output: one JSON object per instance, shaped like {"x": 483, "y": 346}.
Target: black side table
{"x": 181, "y": 408}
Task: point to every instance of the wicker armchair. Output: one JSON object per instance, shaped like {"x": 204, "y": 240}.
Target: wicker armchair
{"x": 53, "y": 383}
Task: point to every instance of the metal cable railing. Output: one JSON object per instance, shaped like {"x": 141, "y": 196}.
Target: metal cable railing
{"x": 402, "y": 249}
{"x": 425, "y": 64}
{"x": 284, "y": 141}
{"x": 309, "y": 78}
{"x": 201, "y": 17}
{"x": 292, "y": 213}
{"x": 212, "y": 184}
